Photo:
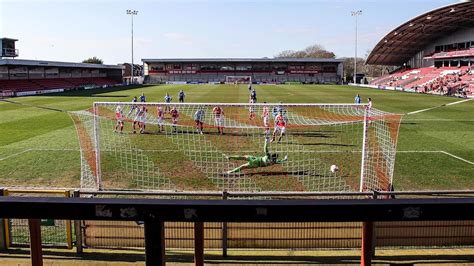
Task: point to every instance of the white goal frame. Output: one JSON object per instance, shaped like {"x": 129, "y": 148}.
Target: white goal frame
{"x": 362, "y": 115}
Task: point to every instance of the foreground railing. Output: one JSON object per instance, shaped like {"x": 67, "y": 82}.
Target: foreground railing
{"x": 154, "y": 212}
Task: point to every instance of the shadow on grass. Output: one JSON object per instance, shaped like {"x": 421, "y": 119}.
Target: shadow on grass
{"x": 187, "y": 257}
{"x": 182, "y": 257}
{"x": 328, "y": 144}
{"x": 282, "y": 173}
{"x": 319, "y": 134}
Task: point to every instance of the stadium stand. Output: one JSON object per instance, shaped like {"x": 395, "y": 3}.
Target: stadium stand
{"x": 26, "y": 77}
{"x": 435, "y": 57}
{"x": 261, "y": 70}
{"x": 451, "y": 81}
{"x": 20, "y": 85}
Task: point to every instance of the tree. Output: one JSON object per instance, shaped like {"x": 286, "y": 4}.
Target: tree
{"x": 313, "y": 51}
{"x": 376, "y": 70}
{"x": 318, "y": 51}
{"x": 348, "y": 67}
{"x": 370, "y": 71}
{"x": 93, "y": 60}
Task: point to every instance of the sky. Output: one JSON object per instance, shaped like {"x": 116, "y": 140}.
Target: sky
{"x": 73, "y": 30}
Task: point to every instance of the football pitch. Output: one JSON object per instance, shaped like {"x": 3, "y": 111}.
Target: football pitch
{"x": 39, "y": 145}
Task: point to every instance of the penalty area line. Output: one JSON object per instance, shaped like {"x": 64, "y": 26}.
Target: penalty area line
{"x": 443, "y": 152}
{"x": 15, "y": 154}
{"x": 457, "y": 157}
{"x": 33, "y": 150}
{"x": 435, "y": 107}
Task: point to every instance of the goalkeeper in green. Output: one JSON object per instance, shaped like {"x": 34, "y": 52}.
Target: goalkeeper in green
{"x": 257, "y": 161}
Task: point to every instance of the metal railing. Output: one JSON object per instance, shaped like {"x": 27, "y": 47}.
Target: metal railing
{"x": 155, "y": 212}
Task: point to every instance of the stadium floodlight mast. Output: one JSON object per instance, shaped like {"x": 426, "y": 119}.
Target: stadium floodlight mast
{"x": 355, "y": 14}
{"x": 132, "y": 13}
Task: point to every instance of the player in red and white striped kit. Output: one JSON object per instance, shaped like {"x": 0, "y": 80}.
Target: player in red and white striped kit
{"x": 251, "y": 109}
{"x": 142, "y": 119}
{"x": 218, "y": 119}
{"x": 119, "y": 117}
{"x": 280, "y": 126}
{"x": 160, "y": 115}
{"x": 174, "y": 117}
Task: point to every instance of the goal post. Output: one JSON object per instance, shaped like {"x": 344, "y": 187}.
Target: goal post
{"x": 238, "y": 79}
{"x": 237, "y": 147}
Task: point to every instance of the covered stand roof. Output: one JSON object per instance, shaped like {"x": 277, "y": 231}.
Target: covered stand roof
{"x": 402, "y": 43}
{"x": 42, "y": 63}
{"x": 243, "y": 60}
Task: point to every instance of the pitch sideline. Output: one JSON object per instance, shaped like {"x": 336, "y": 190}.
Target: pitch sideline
{"x": 435, "y": 107}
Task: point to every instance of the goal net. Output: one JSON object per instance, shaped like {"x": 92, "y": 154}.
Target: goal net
{"x": 238, "y": 79}
{"x": 236, "y": 147}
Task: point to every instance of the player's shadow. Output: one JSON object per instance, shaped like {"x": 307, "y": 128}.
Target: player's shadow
{"x": 282, "y": 173}
{"x": 314, "y": 134}
{"x": 328, "y": 144}
{"x": 231, "y": 134}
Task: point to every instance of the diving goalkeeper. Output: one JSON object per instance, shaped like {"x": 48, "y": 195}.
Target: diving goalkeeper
{"x": 257, "y": 161}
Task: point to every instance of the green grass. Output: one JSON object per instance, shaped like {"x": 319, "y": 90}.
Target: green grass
{"x": 25, "y": 130}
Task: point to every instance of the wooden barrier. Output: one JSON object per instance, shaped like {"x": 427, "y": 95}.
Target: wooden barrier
{"x": 114, "y": 234}
{"x": 155, "y": 211}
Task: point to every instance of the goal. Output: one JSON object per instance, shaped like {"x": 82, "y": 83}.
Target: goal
{"x": 325, "y": 147}
{"x": 238, "y": 79}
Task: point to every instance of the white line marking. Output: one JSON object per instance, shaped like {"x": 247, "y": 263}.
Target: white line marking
{"x": 439, "y": 106}
{"x": 457, "y": 157}
{"x": 453, "y": 103}
{"x": 15, "y": 154}
{"x": 36, "y": 149}
{"x": 438, "y": 119}
{"x": 443, "y": 152}
{"x": 53, "y": 149}
{"x": 420, "y": 151}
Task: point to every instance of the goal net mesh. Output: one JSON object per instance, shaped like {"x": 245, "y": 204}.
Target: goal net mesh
{"x": 174, "y": 155}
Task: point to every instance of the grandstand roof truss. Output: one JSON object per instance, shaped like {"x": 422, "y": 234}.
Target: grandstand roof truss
{"x": 402, "y": 43}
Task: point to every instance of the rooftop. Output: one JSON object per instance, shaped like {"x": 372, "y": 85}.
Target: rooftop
{"x": 402, "y": 43}
{"x": 9, "y": 39}
{"x": 42, "y": 63}
{"x": 243, "y": 60}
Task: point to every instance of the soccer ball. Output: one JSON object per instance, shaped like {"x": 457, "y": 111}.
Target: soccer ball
{"x": 334, "y": 168}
